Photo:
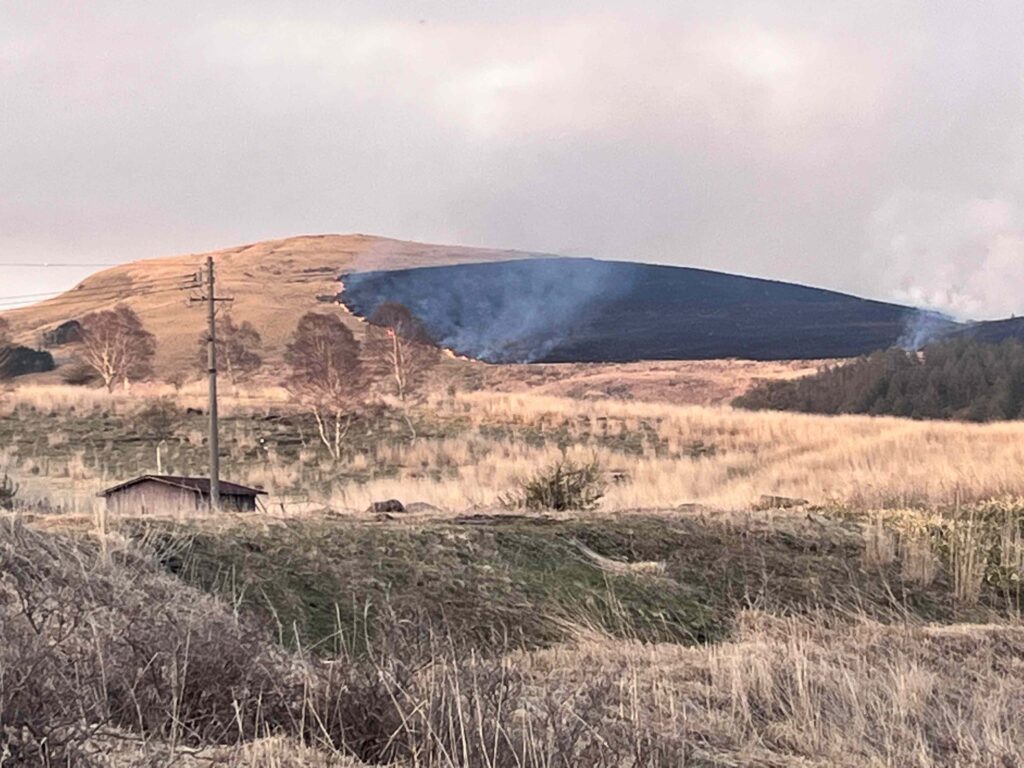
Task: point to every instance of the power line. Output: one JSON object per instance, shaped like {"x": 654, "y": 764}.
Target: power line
{"x": 15, "y": 303}
{"x": 81, "y": 290}
{"x": 94, "y": 297}
{"x": 87, "y": 290}
{"x": 54, "y": 264}
{"x": 111, "y": 291}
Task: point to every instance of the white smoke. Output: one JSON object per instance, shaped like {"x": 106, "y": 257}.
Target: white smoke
{"x": 923, "y": 328}
{"x": 964, "y": 258}
{"x": 517, "y": 316}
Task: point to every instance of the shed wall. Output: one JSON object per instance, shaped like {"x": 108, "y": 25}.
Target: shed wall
{"x": 150, "y": 496}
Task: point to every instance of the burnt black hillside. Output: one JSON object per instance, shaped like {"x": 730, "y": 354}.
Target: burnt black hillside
{"x": 994, "y": 331}
{"x": 567, "y": 310}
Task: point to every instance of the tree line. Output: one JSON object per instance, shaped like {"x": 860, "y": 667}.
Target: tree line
{"x": 959, "y": 379}
{"x": 329, "y": 371}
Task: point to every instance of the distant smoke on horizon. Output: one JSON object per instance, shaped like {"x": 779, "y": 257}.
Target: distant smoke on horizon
{"x": 922, "y": 328}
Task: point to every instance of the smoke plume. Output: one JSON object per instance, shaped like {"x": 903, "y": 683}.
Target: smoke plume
{"x": 509, "y": 312}
{"x": 924, "y": 327}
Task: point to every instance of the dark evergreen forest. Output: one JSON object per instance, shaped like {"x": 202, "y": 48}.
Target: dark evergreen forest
{"x": 962, "y": 379}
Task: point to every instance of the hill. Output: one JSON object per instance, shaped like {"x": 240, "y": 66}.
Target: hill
{"x": 272, "y": 282}
{"x": 994, "y": 331}
{"x": 495, "y": 305}
{"x": 579, "y": 310}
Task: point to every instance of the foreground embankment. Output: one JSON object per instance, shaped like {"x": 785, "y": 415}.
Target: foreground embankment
{"x": 643, "y": 639}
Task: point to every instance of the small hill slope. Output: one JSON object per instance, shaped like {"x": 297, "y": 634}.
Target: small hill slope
{"x": 273, "y": 283}
{"x": 495, "y": 305}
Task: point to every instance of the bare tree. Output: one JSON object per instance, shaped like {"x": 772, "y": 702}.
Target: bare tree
{"x": 326, "y": 375}
{"x": 117, "y": 346}
{"x": 238, "y": 349}
{"x": 400, "y": 351}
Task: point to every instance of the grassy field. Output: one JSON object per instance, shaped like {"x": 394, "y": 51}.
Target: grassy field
{"x": 64, "y": 444}
{"x": 684, "y": 621}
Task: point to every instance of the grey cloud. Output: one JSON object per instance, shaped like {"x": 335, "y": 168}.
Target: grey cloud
{"x": 865, "y": 146}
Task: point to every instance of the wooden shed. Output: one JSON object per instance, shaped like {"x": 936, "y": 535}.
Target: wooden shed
{"x": 171, "y": 493}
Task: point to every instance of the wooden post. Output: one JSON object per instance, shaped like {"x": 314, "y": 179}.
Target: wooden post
{"x": 214, "y": 439}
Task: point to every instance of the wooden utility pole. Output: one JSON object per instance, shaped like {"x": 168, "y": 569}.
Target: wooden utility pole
{"x": 211, "y": 348}
{"x": 211, "y": 300}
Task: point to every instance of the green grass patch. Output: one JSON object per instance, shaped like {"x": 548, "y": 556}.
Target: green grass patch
{"x": 324, "y": 584}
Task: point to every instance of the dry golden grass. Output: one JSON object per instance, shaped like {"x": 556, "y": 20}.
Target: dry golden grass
{"x": 682, "y": 382}
{"x": 62, "y": 398}
{"x": 811, "y": 692}
{"x": 808, "y": 691}
{"x": 270, "y": 752}
{"x": 859, "y": 461}
{"x": 478, "y": 446}
{"x": 784, "y": 693}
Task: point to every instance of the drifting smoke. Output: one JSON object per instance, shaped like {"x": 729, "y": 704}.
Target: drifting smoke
{"x": 508, "y": 312}
{"x": 923, "y": 327}
{"x": 581, "y": 310}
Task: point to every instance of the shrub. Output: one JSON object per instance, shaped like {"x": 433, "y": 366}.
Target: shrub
{"x": 79, "y": 374}
{"x": 158, "y": 418}
{"x": 68, "y": 332}
{"x": 8, "y": 490}
{"x": 564, "y": 485}
{"x": 20, "y": 361}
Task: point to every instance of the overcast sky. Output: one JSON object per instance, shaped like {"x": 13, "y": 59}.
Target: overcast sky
{"x": 871, "y": 147}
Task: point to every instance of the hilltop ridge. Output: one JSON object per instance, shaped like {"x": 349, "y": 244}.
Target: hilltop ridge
{"x": 495, "y": 305}
{"x": 272, "y": 282}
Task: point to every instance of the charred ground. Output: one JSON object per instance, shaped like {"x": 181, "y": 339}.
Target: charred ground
{"x": 583, "y": 310}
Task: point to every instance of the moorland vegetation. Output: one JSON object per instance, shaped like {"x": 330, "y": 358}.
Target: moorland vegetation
{"x": 960, "y": 379}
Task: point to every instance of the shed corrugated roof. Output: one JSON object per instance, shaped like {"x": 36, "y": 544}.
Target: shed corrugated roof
{"x": 199, "y": 485}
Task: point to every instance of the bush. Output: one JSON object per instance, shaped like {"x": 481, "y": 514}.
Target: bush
{"x": 158, "y": 418}
{"x": 79, "y": 374}
{"x": 68, "y": 332}
{"x": 20, "y": 361}
{"x": 8, "y": 490}
{"x": 89, "y": 640}
{"x": 564, "y": 485}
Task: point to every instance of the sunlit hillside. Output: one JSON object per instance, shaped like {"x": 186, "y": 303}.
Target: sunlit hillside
{"x": 272, "y": 284}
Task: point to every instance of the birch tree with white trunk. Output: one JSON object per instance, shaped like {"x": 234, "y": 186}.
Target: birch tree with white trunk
{"x": 117, "y": 346}
{"x": 400, "y": 353}
{"x": 326, "y": 375}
